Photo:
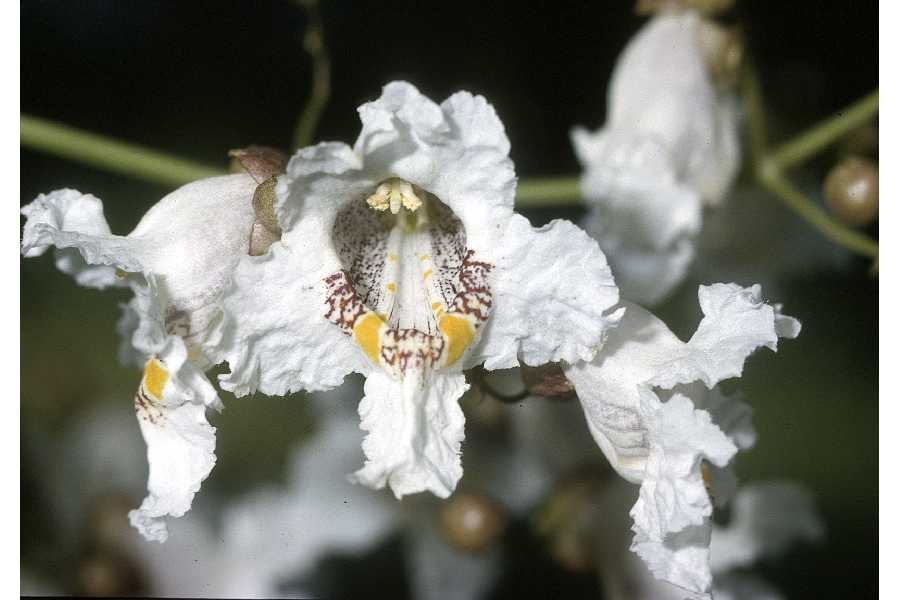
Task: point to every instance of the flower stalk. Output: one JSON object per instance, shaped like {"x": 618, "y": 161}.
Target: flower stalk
{"x": 314, "y": 44}
{"x": 110, "y": 154}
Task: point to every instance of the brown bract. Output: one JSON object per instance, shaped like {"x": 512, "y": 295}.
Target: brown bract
{"x": 547, "y": 380}
{"x": 264, "y": 165}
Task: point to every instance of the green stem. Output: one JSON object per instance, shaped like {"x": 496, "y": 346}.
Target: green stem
{"x": 809, "y": 210}
{"x": 769, "y": 166}
{"x": 109, "y": 154}
{"x": 756, "y": 115}
{"x": 820, "y": 136}
{"x": 314, "y": 43}
{"x": 549, "y": 191}
{"x": 156, "y": 167}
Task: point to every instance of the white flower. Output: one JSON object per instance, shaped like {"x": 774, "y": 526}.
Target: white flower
{"x": 402, "y": 259}
{"x": 669, "y": 145}
{"x": 178, "y": 261}
{"x": 663, "y": 444}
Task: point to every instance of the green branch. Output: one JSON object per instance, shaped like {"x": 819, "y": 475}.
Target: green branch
{"x": 769, "y": 165}
{"x": 797, "y": 201}
{"x": 156, "y": 167}
{"x": 822, "y": 135}
{"x": 109, "y": 154}
{"x": 548, "y": 191}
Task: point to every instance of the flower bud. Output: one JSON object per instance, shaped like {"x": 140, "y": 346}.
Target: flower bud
{"x": 108, "y": 519}
{"x": 707, "y": 7}
{"x": 472, "y": 522}
{"x": 483, "y": 410}
{"x": 851, "y": 191}
{"x": 108, "y": 575}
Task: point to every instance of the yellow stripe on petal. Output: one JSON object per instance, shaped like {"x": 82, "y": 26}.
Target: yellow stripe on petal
{"x": 155, "y": 377}
{"x": 367, "y": 333}
{"x": 458, "y": 332}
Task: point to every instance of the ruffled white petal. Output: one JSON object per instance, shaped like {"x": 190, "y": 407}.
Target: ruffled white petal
{"x": 180, "y": 442}
{"x": 670, "y": 516}
{"x": 553, "y": 290}
{"x": 74, "y": 222}
{"x": 736, "y": 321}
{"x": 415, "y": 430}
{"x": 661, "y": 444}
{"x": 767, "y": 518}
{"x": 277, "y": 337}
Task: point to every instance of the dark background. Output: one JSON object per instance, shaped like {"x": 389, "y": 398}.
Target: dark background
{"x": 199, "y": 78}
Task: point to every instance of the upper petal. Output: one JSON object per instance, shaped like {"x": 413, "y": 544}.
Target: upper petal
{"x": 553, "y": 291}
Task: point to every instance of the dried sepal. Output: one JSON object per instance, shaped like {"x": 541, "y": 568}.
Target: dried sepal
{"x": 261, "y": 162}
{"x": 723, "y": 52}
{"x": 547, "y": 380}
{"x": 266, "y": 230}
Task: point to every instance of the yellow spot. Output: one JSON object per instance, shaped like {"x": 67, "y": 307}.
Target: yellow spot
{"x": 391, "y": 287}
{"x": 427, "y": 274}
{"x": 436, "y": 305}
{"x": 155, "y": 377}
{"x": 367, "y": 333}
{"x": 424, "y": 257}
{"x": 120, "y": 274}
{"x": 459, "y": 333}
{"x": 393, "y": 257}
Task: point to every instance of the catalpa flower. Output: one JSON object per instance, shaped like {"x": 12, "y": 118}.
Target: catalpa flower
{"x": 637, "y": 398}
{"x": 177, "y": 261}
{"x": 669, "y": 146}
{"x": 402, "y": 260}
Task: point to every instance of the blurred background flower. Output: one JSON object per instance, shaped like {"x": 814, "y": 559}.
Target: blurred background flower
{"x": 169, "y": 76}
